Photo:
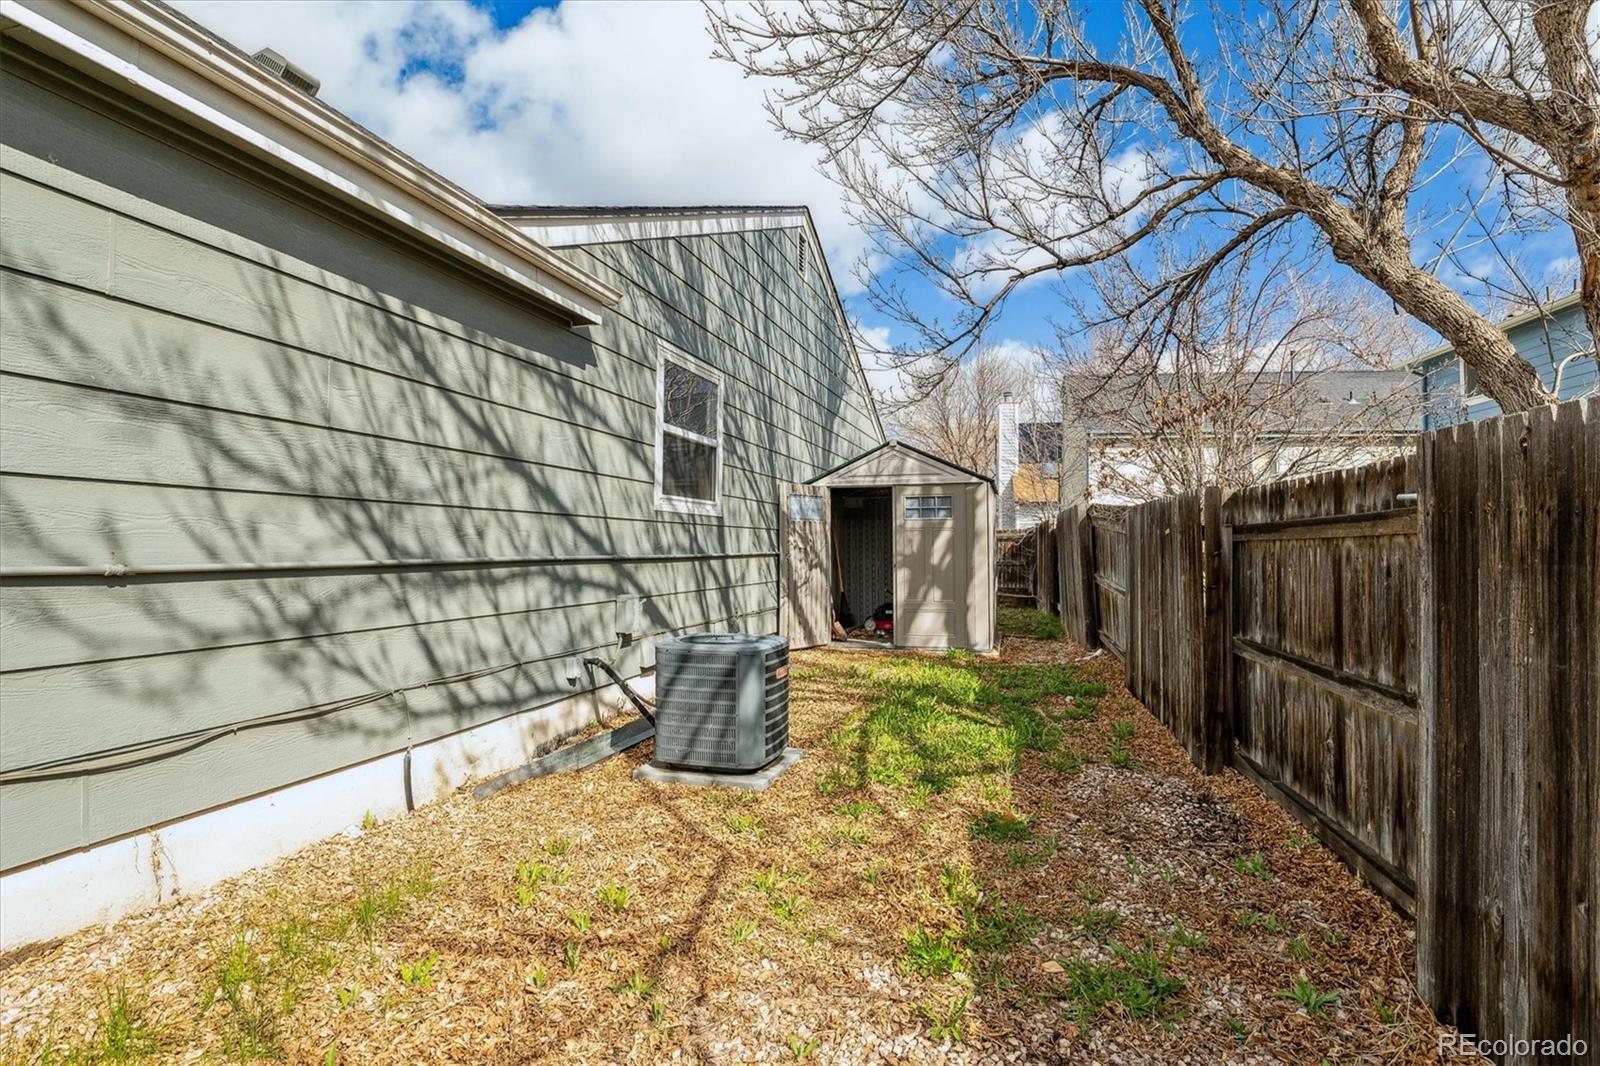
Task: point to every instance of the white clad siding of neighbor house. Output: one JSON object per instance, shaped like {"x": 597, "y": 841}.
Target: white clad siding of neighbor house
{"x": 376, "y": 468}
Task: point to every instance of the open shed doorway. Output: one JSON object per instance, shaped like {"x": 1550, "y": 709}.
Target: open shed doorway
{"x": 863, "y": 541}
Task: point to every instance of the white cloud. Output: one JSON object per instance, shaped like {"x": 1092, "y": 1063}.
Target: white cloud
{"x": 592, "y": 103}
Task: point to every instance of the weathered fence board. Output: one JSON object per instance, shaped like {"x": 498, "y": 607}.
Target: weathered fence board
{"x": 1108, "y": 531}
{"x": 1509, "y": 867}
{"x": 1044, "y": 555}
{"x": 1075, "y": 575}
{"x": 1322, "y": 579}
{"x": 1168, "y": 547}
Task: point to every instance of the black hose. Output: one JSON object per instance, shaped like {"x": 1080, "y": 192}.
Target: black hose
{"x": 633, "y": 696}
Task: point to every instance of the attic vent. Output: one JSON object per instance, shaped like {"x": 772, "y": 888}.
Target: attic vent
{"x": 800, "y": 253}
{"x": 278, "y": 66}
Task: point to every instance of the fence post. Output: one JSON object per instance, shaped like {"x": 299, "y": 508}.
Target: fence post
{"x": 1083, "y": 544}
{"x": 1217, "y": 637}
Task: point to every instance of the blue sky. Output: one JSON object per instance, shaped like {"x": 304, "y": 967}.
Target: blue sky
{"x": 602, "y": 103}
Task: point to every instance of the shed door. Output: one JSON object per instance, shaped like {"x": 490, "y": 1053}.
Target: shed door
{"x": 805, "y": 565}
{"x": 933, "y": 561}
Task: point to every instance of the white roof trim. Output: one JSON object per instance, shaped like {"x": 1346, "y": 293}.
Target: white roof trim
{"x": 1538, "y": 311}
{"x": 162, "y": 57}
{"x": 561, "y": 230}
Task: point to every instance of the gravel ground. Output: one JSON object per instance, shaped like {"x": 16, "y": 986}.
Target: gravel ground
{"x": 1097, "y": 900}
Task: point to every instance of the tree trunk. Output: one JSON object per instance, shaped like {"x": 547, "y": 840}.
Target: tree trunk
{"x": 1503, "y": 374}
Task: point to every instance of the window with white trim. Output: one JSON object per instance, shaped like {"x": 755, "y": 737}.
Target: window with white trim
{"x": 688, "y": 435}
{"x": 1471, "y": 391}
{"x": 928, "y": 507}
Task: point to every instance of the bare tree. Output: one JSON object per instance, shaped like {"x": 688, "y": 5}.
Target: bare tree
{"x": 1254, "y": 384}
{"x": 955, "y": 418}
{"x": 985, "y": 143}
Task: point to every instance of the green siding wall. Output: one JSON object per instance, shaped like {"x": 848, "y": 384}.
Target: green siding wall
{"x": 202, "y": 366}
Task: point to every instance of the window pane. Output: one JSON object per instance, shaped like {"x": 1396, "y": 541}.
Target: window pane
{"x": 689, "y": 401}
{"x": 688, "y": 468}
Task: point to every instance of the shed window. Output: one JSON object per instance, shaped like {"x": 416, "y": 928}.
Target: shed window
{"x": 688, "y": 435}
{"x": 928, "y": 507}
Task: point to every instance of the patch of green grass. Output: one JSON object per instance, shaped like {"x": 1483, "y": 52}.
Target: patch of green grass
{"x": 1002, "y": 827}
{"x": 637, "y": 984}
{"x": 419, "y": 974}
{"x": 957, "y": 885}
{"x": 1022, "y": 857}
{"x": 537, "y": 975}
{"x": 570, "y": 956}
{"x": 744, "y": 823}
{"x": 854, "y": 836}
{"x": 1185, "y": 937}
{"x": 931, "y": 954}
{"x": 788, "y": 906}
{"x": 1253, "y": 866}
{"x": 802, "y": 1049}
{"x": 581, "y": 920}
{"x": 935, "y": 723}
{"x": 873, "y": 875}
{"x": 741, "y": 931}
{"x": 1305, "y": 995}
{"x": 1382, "y": 1009}
{"x": 857, "y": 809}
{"x": 1236, "y": 1028}
{"x": 1067, "y": 760}
{"x": 1123, "y": 728}
{"x": 946, "y": 1022}
{"x": 1089, "y": 893}
{"x": 614, "y": 897}
{"x": 1137, "y": 982}
{"x": 1097, "y": 923}
{"x": 244, "y": 985}
{"x": 1297, "y": 949}
{"x": 1027, "y": 622}
{"x": 997, "y": 927}
{"x": 556, "y": 847}
{"x": 1118, "y": 754}
{"x": 1299, "y": 841}
{"x": 121, "y": 1033}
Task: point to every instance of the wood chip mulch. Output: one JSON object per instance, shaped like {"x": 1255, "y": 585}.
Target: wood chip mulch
{"x": 764, "y": 927}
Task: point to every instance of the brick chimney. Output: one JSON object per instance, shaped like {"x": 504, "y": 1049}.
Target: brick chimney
{"x": 1009, "y": 412}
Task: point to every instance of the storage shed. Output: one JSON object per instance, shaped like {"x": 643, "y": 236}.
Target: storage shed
{"x": 896, "y": 536}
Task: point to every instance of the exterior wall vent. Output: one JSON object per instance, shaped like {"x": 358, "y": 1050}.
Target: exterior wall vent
{"x": 275, "y": 64}
{"x": 722, "y": 701}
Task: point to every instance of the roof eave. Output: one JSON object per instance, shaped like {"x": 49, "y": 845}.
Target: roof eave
{"x": 177, "y": 65}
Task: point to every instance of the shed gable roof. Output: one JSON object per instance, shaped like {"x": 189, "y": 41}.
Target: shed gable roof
{"x": 896, "y": 462}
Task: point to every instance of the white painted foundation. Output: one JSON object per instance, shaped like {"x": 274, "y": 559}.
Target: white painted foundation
{"x": 108, "y": 881}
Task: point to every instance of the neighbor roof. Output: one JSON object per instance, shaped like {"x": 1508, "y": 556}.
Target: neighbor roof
{"x": 1518, "y": 319}
{"x": 1333, "y": 400}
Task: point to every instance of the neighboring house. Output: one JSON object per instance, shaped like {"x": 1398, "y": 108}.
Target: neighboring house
{"x": 1554, "y": 338}
{"x": 320, "y": 475}
{"x": 1139, "y": 441}
{"x": 1028, "y": 466}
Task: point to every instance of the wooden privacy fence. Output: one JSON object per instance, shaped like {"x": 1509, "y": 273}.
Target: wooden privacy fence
{"x": 1320, "y": 693}
{"x": 1508, "y": 870}
{"x": 1014, "y": 573}
{"x": 1418, "y": 683}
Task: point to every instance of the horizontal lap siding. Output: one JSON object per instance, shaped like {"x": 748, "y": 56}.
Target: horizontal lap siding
{"x": 203, "y": 372}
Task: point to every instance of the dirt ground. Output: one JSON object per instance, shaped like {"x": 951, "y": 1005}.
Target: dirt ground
{"x": 976, "y": 861}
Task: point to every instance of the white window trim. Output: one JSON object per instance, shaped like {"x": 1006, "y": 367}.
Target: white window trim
{"x": 1471, "y": 399}
{"x": 683, "y": 504}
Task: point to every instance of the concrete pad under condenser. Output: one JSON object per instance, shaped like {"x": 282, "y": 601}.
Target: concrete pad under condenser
{"x": 754, "y": 782}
